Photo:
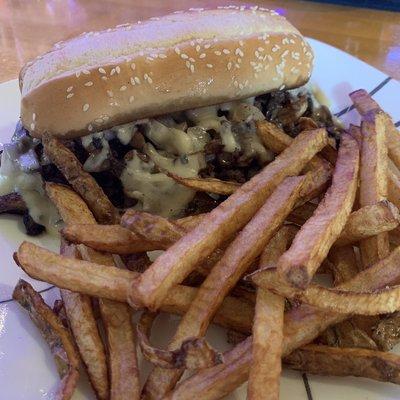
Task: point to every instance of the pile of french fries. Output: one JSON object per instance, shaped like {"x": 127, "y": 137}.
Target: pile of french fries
{"x": 249, "y": 265}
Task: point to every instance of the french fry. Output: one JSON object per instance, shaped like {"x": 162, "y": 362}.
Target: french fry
{"x": 242, "y": 252}
{"x": 78, "y": 307}
{"x": 116, "y": 316}
{"x": 381, "y": 301}
{"x": 301, "y": 325}
{"x": 312, "y": 243}
{"x": 172, "y": 267}
{"x": 268, "y": 327}
{"x": 113, "y": 283}
{"x": 80, "y": 180}
{"x": 368, "y": 107}
{"x": 194, "y": 353}
{"x": 333, "y": 361}
{"x": 83, "y": 324}
{"x": 302, "y": 213}
{"x": 56, "y": 335}
{"x": 266, "y": 365}
{"x": 209, "y": 185}
{"x": 387, "y": 333}
{"x": 373, "y": 183}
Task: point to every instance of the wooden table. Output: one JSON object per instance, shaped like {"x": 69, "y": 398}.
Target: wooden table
{"x": 30, "y": 27}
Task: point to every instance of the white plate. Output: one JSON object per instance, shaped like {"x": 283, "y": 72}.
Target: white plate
{"x": 27, "y": 371}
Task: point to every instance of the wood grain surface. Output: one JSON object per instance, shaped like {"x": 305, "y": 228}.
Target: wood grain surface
{"x": 30, "y": 27}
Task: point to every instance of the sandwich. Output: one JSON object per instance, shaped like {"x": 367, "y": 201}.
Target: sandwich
{"x": 180, "y": 94}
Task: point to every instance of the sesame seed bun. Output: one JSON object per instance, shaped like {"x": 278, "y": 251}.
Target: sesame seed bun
{"x": 180, "y": 61}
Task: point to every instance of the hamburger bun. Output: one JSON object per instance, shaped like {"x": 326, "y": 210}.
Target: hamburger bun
{"x": 180, "y": 61}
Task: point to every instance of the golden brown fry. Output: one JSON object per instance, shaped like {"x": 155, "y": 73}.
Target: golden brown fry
{"x": 78, "y": 307}
{"x": 301, "y": 325}
{"x": 368, "y": 107}
{"x": 333, "y": 361}
{"x": 209, "y": 185}
{"x": 344, "y": 263}
{"x": 312, "y": 243}
{"x": 108, "y": 238}
{"x": 113, "y": 283}
{"x": 80, "y": 180}
{"x": 301, "y": 214}
{"x": 242, "y": 252}
{"x": 393, "y": 184}
{"x": 56, "y": 335}
{"x": 83, "y": 324}
{"x": 194, "y": 353}
{"x": 116, "y": 317}
{"x": 157, "y": 228}
{"x": 381, "y": 301}
{"x": 373, "y": 183}
{"x": 151, "y": 288}
{"x": 117, "y": 321}
{"x": 266, "y": 365}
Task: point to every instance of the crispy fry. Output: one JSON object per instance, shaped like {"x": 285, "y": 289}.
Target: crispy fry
{"x": 381, "y": 301}
{"x": 393, "y": 184}
{"x": 194, "y": 353}
{"x": 108, "y": 238}
{"x": 373, "y": 183}
{"x": 277, "y": 141}
{"x": 266, "y": 365}
{"x": 113, "y": 283}
{"x": 209, "y": 185}
{"x": 387, "y": 333}
{"x": 312, "y": 243}
{"x": 56, "y": 335}
{"x": 80, "y": 180}
{"x": 301, "y": 214}
{"x": 230, "y": 216}
{"x": 368, "y": 107}
{"x": 344, "y": 264}
{"x": 116, "y": 317}
{"x": 83, "y": 324}
{"x": 301, "y": 325}
{"x": 333, "y": 361}
{"x": 225, "y": 274}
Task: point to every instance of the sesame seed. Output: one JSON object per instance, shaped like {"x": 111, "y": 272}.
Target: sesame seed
{"x": 237, "y": 65}
{"x": 239, "y": 60}
{"x": 177, "y": 51}
{"x": 69, "y": 95}
{"x": 112, "y": 72}
{"x": 202, "y": 55}
{"x": 133, "y": 66}
{"x": 123, "y": 88}
{"x": 150, "y": 58}
{"x": 137, "y": 80}
{"x": 32, "y": 126}
{"x": 260, "y": 49}
{"x": 131, "y": 99}
{"x": 192, "y": 68}
{"x": 282, "y": 87}
{"x": 198, "y": 48}
{"x": 257, "y": 54}
{"x": 207, "y": 46}
{"x": 241, "y": 86}
{"x": 239, "y": 52}
{"x": 99, "y": 120}
{"x": 104, "y": 78}
{"x": 118, "y": 69}
{"x": 191, "y": 59}
{"x": 133, "y": 83}
{"x": 292, "y": 41}
{"x": 192, "y": 43}
{"x": 217, "y": 53}
{"x": 184, "y": 56}
{"x": 241, "y": 43}
{"x": 285, "y": 40}
{"x": 90, "y": 127}
{"x": 275, "y": 48}
{"x": 285, "y": 53}
{"x": 209, "y": 65}
{"x": 229, "y": 66}
{"x": 33, "y": 117}
{"x": 77, "y": 74}
{"x": 226, "y": 51}
{"x": 85, "y": 107}
{"x": 110, "y": 93}
{"x": 86, "y": 72}
{"x": 69, "y": 89}
{"x": 102, "y": 70}
{"x": 162, "y": 56}
{"x": 89, "y": 83}
{"x": 187, "y": 64}
{"x": 149, "y": 80}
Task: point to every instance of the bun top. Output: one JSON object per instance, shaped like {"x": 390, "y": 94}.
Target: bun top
{"x": 176, "y": 62}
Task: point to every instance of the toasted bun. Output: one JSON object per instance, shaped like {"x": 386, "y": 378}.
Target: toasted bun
{"x": 176, "y": 62}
